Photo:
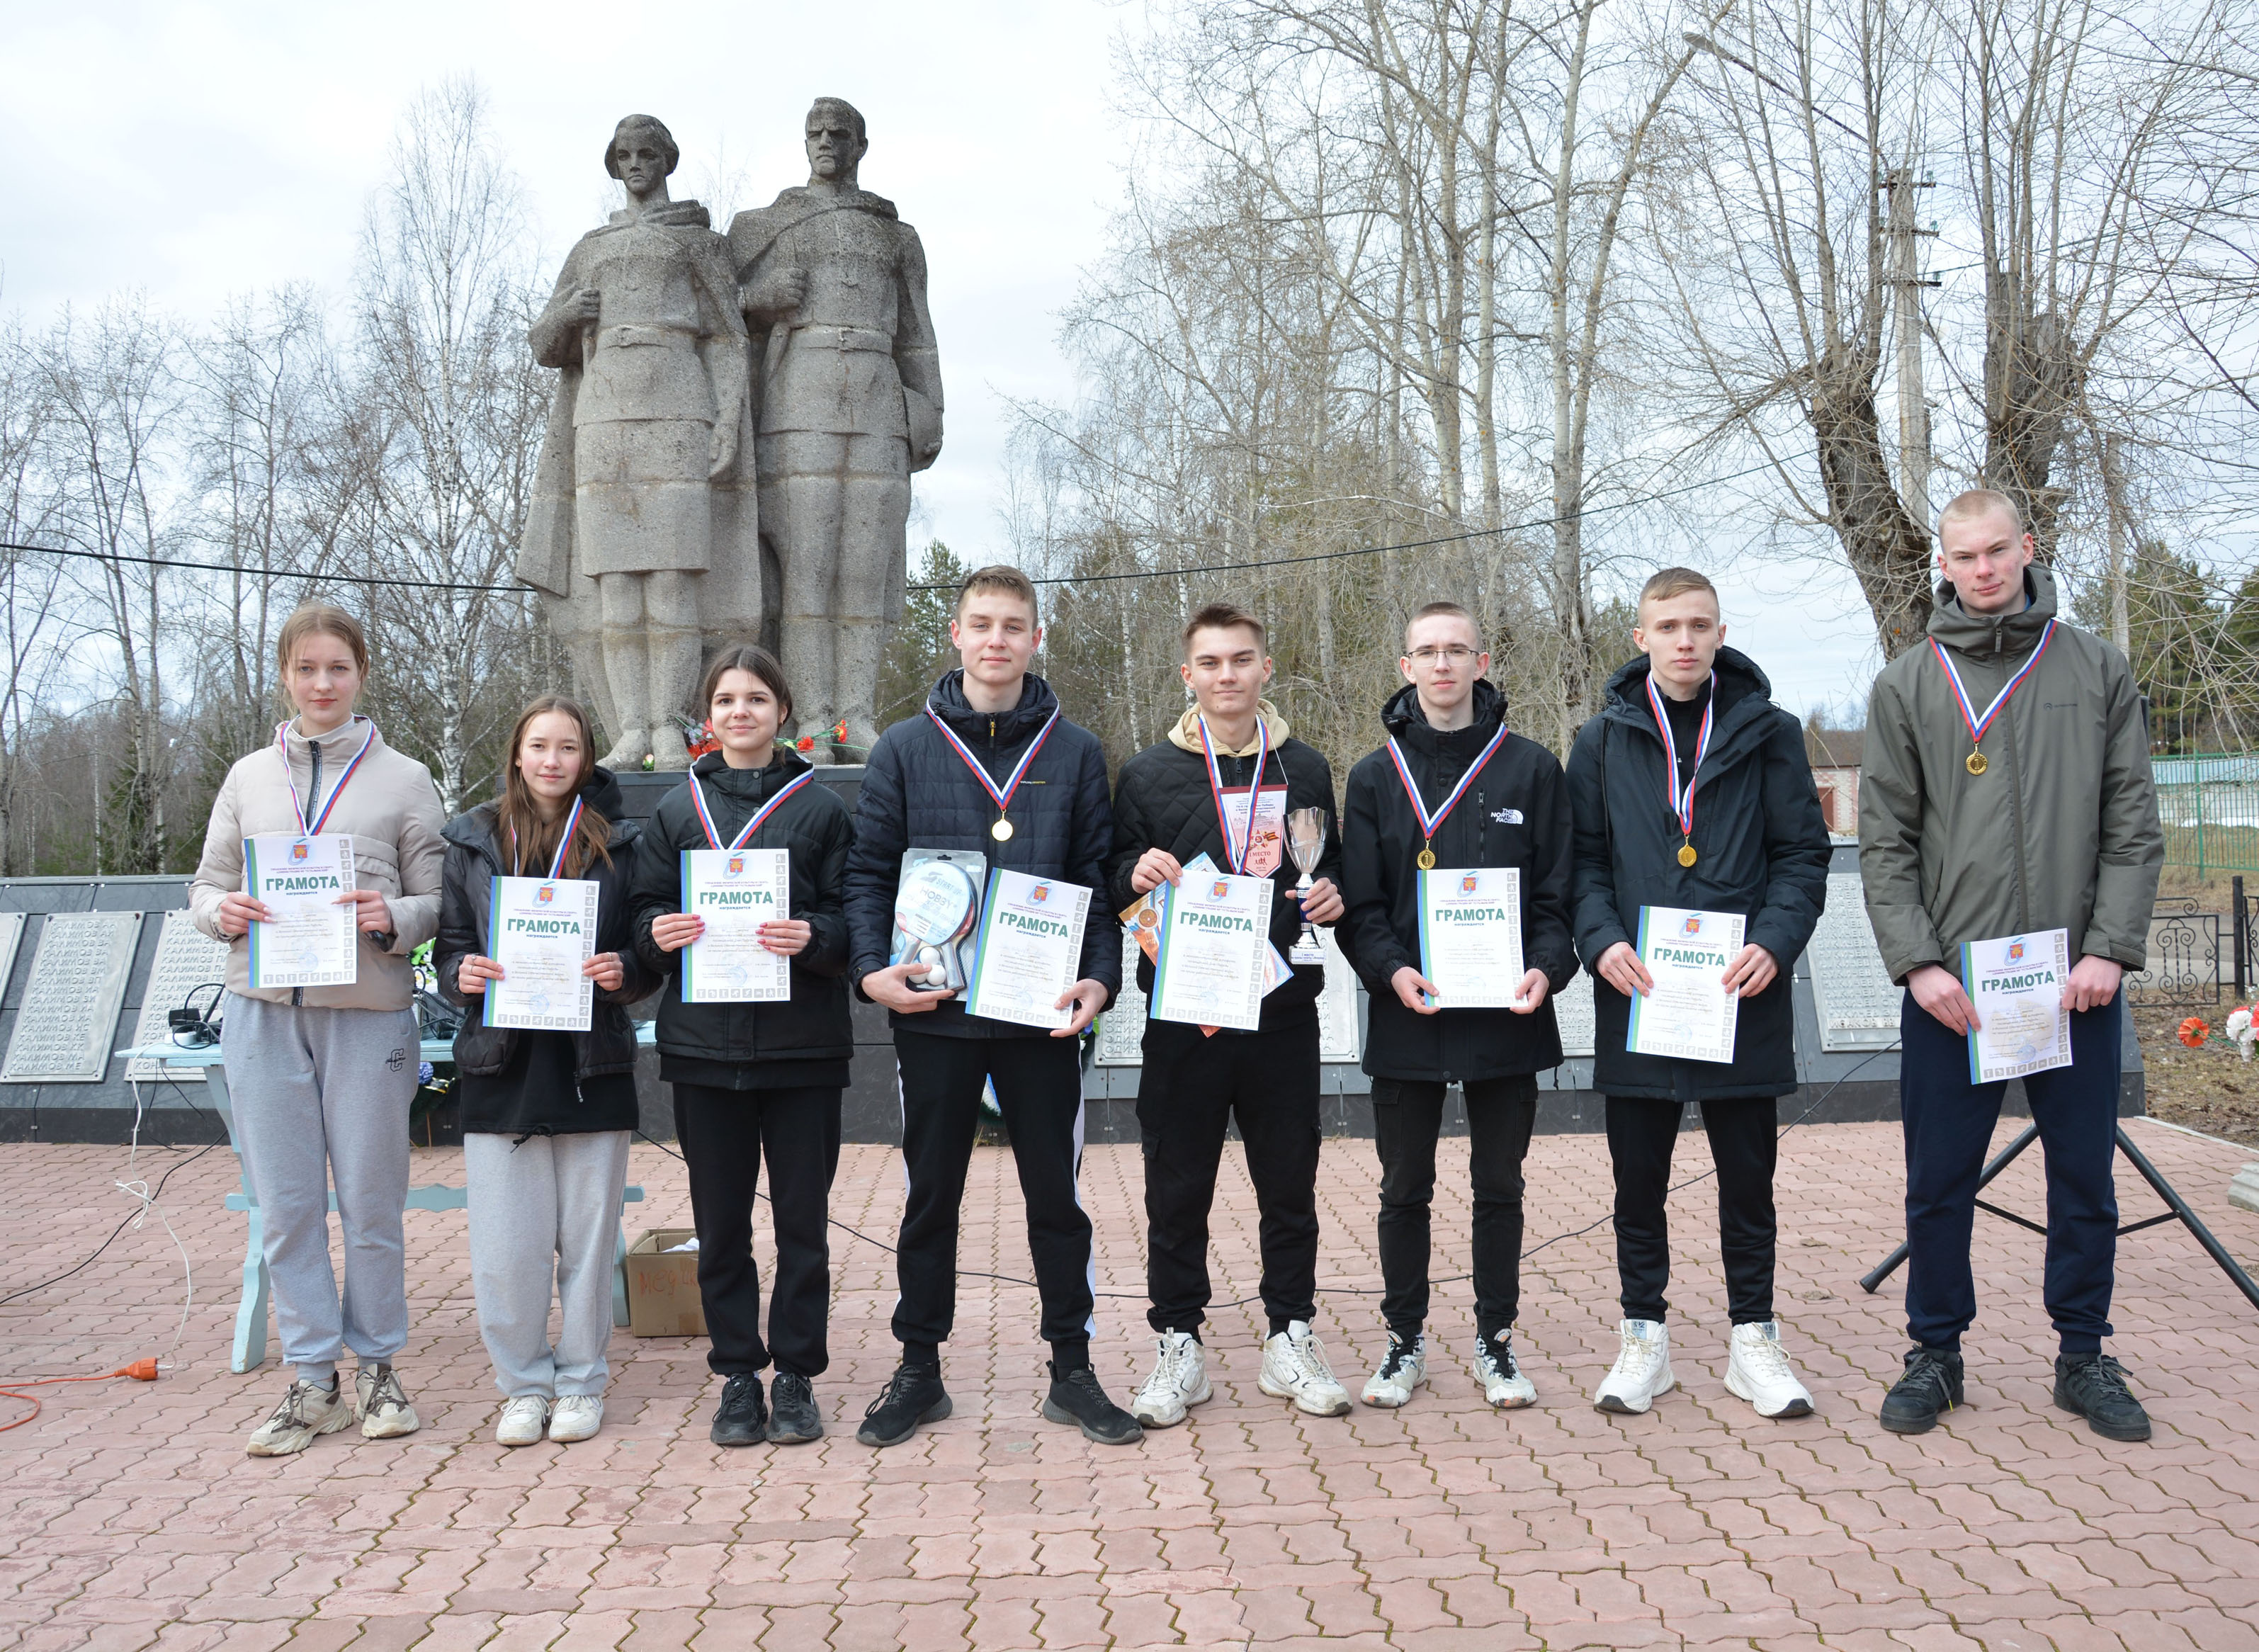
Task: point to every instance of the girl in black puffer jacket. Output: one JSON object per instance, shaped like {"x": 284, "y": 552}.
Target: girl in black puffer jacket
{"x": 756, "y": 1078}
{"x": 546, "y": 1116}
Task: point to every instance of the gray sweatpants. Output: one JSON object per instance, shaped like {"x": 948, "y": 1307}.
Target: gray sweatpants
{"x": 547, "y": 1205}
{"x": 317, "y": 1095}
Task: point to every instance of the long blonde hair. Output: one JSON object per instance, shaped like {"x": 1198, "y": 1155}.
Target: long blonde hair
{"x": 517, "y": 815}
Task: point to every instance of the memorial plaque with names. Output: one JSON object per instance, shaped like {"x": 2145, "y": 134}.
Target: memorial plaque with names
{"x": 71, "y": 1001}
{"x": 187, "y": 959}
{"x": 1121, "y": 1028}
{"x": 1857, "y": 1002}
{"x": 1572, "y": 1012}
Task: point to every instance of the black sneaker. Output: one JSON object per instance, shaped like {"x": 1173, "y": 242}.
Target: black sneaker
{"x": 794, "y": 1419}
{"x": 742, "y": 1419}
{"x": 1930, "y": 1387}
{"x": 1078, "y": 1397}
{"x": 2094, "y": 1387}
{"x": 913, "y": 1395}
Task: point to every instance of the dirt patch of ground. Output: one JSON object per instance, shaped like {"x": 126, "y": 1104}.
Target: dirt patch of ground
{"x": 2210, "y": 1088}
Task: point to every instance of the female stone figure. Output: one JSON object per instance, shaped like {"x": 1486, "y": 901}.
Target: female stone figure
{"x": 643, "y": 531}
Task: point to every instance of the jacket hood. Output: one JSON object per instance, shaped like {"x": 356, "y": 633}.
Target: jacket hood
{"x": 1407, "y": 724}
{"x": 1187, "y": 733}
{"x": 1956, "y": 627}
{"x": 948, "y": 703}
{"x": 338, "y": 744}
{"x": 1739, "y": 678}
{"x": 474, "y": 826}
{"x": 751, "y": 786}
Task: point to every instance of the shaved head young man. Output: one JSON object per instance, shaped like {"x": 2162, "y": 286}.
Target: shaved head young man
{"x": 2007, "y": 791}
{"x": 1692, "y": 790}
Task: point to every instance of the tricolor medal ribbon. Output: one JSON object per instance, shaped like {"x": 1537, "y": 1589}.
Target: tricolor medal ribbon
{"x": 760, "y": 814}
{"x": 1001, "y": 796}
{"x": 1974, "y": 762}
{"x": 1681, "y": 804}
{"x": 1236, "y": 849}
{"x": 307, "y": 828}
{"x": 1428, "y": 822}
{"x": 564, "y": 843}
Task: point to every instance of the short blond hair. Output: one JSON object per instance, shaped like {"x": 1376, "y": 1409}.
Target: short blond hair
{"x": 1004, "y": 579}
{"x": 1973, "y": 503}
{"x": 1666, "y": 583}
{"x": 1444, "y": 611}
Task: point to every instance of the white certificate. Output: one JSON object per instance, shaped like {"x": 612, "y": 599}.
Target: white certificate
{"x": 1210, "y": 969}
{"x": 736, "y": 891}
{"x": 1030, "y": 948}
{"x": 310, "y": 941}
{"x": 1689, "y": 1013}
{"x": 542, "y": 930}
{"x": 1470, "y": 936}
{"x": 2016, "y": 984}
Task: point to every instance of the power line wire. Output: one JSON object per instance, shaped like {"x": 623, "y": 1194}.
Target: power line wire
{"x": 1078, "y": 578}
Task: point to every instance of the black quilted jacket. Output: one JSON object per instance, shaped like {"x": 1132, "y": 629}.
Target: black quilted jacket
{"x": 1163, "y": 801}
{"x": 918, "y": 794}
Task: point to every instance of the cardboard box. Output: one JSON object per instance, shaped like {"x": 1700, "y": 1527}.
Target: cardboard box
{"x": 663, "y": 1286}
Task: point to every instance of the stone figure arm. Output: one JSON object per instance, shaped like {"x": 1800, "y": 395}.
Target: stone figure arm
{"x": 917, "y": 357}
{"x": 555, "y": 334}
{"x": 727, "y": 356}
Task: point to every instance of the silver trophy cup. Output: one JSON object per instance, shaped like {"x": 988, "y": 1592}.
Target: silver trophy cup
{"x": 1306, "y": 841}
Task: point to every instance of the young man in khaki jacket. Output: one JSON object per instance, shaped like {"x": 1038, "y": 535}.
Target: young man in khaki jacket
{"x": 2006, "y": 792}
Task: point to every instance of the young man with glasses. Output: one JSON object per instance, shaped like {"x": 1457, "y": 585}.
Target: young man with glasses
{"x": 1223, "y": 784}
{"x": 1452, "y": 792}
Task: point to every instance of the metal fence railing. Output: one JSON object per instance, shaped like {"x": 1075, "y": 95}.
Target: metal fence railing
{"x": 2209, "y": 808}
{"x": 2198, "y": 959}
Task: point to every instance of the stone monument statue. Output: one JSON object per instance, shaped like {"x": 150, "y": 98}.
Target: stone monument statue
{"x": 848, "y": 384}
{"x": 642, "y": 534}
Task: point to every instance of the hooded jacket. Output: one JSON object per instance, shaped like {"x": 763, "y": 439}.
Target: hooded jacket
{"x": 753, "y": 1046}
{"x": 390, "y": 810}
{"x": 918, "y": 794}
{"x": 1163, "y": 801}
{"x": 1515, "y": 814}
{"x": 1763, "y": 847}
{"x": 475, "y": 858}
{"x": 2060, "y": 831}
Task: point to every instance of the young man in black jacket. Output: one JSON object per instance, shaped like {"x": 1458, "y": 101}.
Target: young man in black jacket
{"x": 989, "y": 765}
{"x": 1453, "y": 784}
{"x": 1691, "y": 789}
{"x": 1224, "y": 781}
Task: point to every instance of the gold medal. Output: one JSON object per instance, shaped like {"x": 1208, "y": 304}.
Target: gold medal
{"x": 1001, "y": 831}
{"x": 1686, "y": 856}
{"x": 1976, "y": 765}
{"x": 1427, "y": 860}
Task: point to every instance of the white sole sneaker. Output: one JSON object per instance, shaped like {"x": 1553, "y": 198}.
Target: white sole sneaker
{"x": 525, "y": 1421}
{"x": 305, "y": 1414}
{"x": 1758, "y": 1370}
{"x": 576, "y": 1417}
{"x": 1154, "y": 1414}
{"x": 1294, "y": 1367}
{"x": 1166, "y": 1395}
{"x": 382, "y": 1404}
{"x": 1390, "y": 1390}
{"x": 1637, "y": 1379}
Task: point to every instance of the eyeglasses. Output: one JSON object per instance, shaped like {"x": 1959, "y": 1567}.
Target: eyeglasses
{"x": 1452, "y": 656}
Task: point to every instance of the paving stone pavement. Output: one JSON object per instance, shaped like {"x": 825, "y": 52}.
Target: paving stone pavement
{"x": 130, "y": 1517}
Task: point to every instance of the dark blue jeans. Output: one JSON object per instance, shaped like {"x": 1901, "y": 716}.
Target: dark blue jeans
{"x": 1949, "y": 1128}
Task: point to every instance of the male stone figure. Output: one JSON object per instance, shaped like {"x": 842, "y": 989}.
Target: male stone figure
{"x": 643, "y": 531}
{"x": 850, "y": 390}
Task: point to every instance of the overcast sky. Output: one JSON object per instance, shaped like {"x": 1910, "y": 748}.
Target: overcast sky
{"x": 196, "y": 151}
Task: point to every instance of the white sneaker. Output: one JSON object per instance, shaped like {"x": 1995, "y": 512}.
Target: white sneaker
{"x": 1295, "y": 1368}
{"x": 1179, "y": 1381}
{"x": 381, "y": 1404}
{"x": 525, "y": 1420}
{"x": 1757, "y": 1371}
{"x": 1403, "y": 1367}
{"x": 1641, "y": 1370}
{"x": 307, "y": 1411}
{"x": 1503, "y": 1384}
{"x": 576, "y": 1417}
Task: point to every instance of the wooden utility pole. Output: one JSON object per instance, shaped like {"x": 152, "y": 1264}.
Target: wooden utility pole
{"x": 1902, "y": 268}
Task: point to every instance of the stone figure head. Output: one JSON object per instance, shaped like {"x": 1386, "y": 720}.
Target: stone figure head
{"x": 641, "y": 154}
{"x": 836, "y": 140}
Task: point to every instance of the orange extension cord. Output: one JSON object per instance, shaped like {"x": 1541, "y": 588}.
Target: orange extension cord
{"x": 143, "y": 1370}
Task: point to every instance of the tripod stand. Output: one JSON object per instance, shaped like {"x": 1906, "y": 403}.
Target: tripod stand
{"x": 2176, "y": 1210}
